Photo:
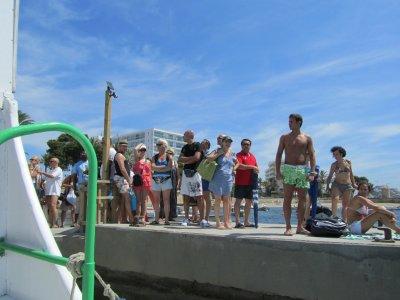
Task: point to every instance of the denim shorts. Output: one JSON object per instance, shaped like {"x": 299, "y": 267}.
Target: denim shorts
{"x": 158, "y": 187}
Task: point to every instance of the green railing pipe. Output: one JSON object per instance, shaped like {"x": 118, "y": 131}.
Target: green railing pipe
{"x": 39, "y": 254}
{"x": 89, "y": 264}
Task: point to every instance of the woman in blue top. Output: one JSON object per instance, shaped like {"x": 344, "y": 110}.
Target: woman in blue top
{"x": 222, "y": 181}
{"x": 161, "y": 165}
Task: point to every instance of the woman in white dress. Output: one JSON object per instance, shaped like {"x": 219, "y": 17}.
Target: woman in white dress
{"x": 52, "y": 187}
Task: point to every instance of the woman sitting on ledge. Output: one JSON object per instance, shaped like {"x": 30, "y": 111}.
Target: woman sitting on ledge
{"x": 359, "y": 218}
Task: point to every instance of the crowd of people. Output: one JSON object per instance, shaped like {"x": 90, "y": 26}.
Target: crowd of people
{"x": 159, "y": 178}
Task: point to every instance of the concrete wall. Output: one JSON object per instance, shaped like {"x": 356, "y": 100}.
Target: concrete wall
{"x": 298, "y": 269}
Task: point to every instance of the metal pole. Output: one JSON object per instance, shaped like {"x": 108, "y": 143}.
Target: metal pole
{"x": 89, "y": 265}
{"x": 55, "y": 259}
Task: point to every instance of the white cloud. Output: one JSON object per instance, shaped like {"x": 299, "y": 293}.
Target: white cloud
{"x": 329, "y": 130}
{"x": 329, "y": 67}
{"x": 383, "y": 132}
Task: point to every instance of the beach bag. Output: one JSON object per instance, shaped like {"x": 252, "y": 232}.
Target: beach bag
{"x": 133, "y": 200}
{"x": 207, "y": 169}
{"x": 71, "y": 197}
{"x": 137, "y": 179}
{"x": 326, "y": 226}
{"x": 323, "y": 209}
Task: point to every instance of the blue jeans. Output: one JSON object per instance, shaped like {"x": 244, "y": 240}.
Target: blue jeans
{"x": 313, "y": 193}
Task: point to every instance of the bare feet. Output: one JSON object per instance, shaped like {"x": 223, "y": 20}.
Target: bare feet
{"x": 301, "y": 230}
{"x": 288, "y": 232}
{"x": 219, "y": 226}
{"x": 227, "y": 226}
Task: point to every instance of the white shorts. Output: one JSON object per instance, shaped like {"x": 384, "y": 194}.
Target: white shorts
{"x": 355, "y": 227}
{"x": 191, "y": 186}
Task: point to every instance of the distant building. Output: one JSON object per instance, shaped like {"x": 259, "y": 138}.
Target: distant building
{"x": 385, "y": 192}
{"x": 270, "y": 175}
{"x": 271, "y": 170}
{"x": 149, "y": 137}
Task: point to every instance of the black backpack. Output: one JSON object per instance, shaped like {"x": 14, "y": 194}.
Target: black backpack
{"x": 326, "y": 226}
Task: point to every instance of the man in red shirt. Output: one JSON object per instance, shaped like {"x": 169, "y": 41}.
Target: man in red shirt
{"x": 247, "y": 164}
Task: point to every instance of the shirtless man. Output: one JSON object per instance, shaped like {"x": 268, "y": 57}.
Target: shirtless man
{"x": 295, "y": 173}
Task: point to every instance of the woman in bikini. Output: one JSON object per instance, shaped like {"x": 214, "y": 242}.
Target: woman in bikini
{"x": 344, "y": 183}
{"x": 359, "y": 217}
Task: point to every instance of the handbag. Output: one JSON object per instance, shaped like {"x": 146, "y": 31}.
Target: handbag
{"x": 207, "y": 169}
{"x": 137, "y": 180}
{"x": 71, "y": 197}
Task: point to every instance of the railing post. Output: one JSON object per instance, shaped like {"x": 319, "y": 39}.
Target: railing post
{"x": 89, "y": 264}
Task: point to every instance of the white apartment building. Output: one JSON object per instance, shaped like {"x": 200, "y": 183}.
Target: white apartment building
{"x": 149, "y": 137}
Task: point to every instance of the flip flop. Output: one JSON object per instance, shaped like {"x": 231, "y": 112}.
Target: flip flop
{"x": 155, "y": 223}
{"x": 303, "y": 231}
{"x": 250, "y": 225}
{"x": 239, "y": 226}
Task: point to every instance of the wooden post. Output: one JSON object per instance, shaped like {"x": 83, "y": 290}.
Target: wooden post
{"x": 106, "y": 135}
{"x": 104, "y": 187}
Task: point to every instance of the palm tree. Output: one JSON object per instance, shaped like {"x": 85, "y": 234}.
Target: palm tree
{"x": 24, "y": 118}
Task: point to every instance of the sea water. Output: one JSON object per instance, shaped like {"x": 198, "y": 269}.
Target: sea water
{"x": 274, "y": 215}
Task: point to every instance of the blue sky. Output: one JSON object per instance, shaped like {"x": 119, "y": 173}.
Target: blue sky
{"x": 237, "y": 67}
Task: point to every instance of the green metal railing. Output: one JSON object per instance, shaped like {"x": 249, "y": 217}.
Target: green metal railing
{"x": 89, "y": 264}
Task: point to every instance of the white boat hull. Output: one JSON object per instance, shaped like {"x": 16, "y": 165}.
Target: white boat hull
{"x": 21, "y": 218}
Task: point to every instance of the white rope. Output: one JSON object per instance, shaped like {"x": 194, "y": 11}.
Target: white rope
{"x": 74, "y": 265}
{"x": 108, "y": 292}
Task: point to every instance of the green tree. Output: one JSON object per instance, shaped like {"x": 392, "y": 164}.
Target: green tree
{"x": 68, "y": 150}
{"x": 24, "y": 118}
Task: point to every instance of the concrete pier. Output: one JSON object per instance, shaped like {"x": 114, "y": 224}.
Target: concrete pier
{"x": 249, "y": 263}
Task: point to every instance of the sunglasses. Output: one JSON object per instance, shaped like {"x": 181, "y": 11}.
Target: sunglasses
{"x": 53, "y": 161}
{"x": 159, "y": 145}
{"x": 142, "y": 150}
{"x": 246, "y": 144}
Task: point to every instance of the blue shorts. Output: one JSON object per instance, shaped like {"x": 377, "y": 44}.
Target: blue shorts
{"x": 205, "y": 185}
{"x": 158, "y": 187}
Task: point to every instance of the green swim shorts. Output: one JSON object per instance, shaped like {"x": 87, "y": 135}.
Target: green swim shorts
{"x": 296, "y": 175}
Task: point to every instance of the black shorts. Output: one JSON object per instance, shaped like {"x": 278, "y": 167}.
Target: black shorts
{"x": 243, "y": 191}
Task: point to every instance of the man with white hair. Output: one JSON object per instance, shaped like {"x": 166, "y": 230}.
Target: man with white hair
{"x": 191, "y": 180}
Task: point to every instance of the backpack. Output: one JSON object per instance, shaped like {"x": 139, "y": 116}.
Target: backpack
{"x": 326, "y": 226}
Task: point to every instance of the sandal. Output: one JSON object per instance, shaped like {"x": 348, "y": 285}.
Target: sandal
{"x": 155, "y": 223}
{"x": 250, "y": 225}
{"x": 239, "y": 225}
{"x": 167, "y": 223}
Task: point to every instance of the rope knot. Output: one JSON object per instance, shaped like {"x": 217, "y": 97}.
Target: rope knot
{"x": 75, "y": 264}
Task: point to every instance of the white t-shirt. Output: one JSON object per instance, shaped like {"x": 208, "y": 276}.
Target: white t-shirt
{"x": 53, "y": 185}
{"x": 111, "y": 154}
